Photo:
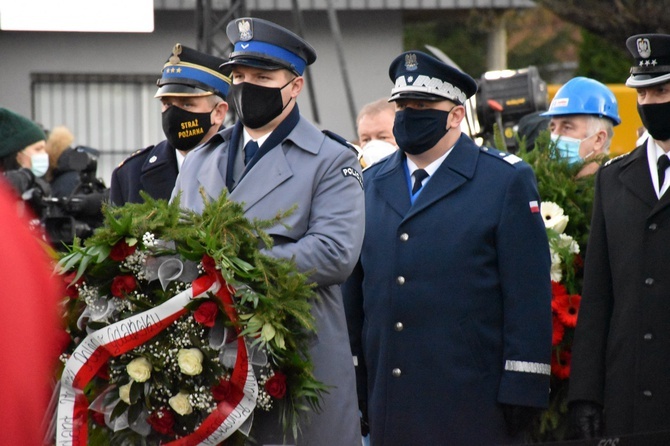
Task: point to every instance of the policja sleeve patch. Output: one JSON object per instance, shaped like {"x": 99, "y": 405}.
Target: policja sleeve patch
{"x": 351, "y": 172}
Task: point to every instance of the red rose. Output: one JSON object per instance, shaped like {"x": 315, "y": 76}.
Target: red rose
{"x": 206, "y": 313}
{"x": 122, "y": 285}
{"x": 276, "y": 385}
{"x": 98, "y": 418}
{"x": 71, "y": 287}
{"x": 221, "y": 391}
{"x": 209, "y": 265}
{"x": 162, "y": 421}
{"x": 121, "y": 250}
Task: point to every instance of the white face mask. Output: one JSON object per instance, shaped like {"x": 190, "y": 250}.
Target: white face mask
{"x": 39, "y": 164}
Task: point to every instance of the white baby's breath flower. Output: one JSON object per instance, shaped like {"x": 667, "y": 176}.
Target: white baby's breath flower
{"x": 553, "y": 216}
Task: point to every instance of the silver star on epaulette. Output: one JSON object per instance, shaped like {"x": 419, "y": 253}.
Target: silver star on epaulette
{"x": 647, "y": 63}
{"x": 653, "y": 62}
{"x": 641, "y": 62}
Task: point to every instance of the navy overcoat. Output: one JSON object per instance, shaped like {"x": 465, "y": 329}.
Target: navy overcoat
{"x": 449, "y": 306}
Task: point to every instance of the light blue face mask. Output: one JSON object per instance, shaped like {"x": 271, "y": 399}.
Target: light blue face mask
{"x": 568, "y": 148}
{"x": 39, "y": 164}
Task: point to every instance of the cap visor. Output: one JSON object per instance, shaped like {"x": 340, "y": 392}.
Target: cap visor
{"x": 251, "y": 62}
{"x": 180, "y": 90}
{"x": 645, "y": 80}
{"x": 418, "y": 95}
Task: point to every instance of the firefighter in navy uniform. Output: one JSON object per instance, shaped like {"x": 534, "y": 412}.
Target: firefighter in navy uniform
{"x": 450, "y": 303}
{"x": 619, "y": 381}
{"x": 192, "y": 92}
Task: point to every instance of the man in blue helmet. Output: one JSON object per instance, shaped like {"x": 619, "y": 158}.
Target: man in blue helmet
{"x": 583, "y": 113}
{"x": 621, "y": 351}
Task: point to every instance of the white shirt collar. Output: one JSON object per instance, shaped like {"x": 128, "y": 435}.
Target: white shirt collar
{"x": 247, "y": 137}
{"x": 431, "y": 168}
{"x": 180, "y": 159}
{"x": 654, "y": 152}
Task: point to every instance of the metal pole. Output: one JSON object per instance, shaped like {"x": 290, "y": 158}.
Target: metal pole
{"x": 335, "y": 28}
{"x": 297, "y": 18}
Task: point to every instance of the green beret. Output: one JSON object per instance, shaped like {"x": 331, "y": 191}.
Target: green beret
{"x": 17, "y": 132}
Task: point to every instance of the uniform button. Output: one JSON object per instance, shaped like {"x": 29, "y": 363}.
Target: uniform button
{"x": 404, "y": 237}
{"x": 396, "y": 373}
{"x": 648, "y": 337}
{"x": 398, "y": 326}
{"x": 649, "y": 281}
{"x": 400, "y": 280}
{"x": 646, "y": 393}
{"x": 653, "y": 227}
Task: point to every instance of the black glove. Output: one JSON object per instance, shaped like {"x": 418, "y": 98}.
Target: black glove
{"x": 586, "y": 419}
{"x": 518, "y": 418}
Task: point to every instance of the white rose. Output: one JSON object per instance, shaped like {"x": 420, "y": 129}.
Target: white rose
{"x": 553, "y": 216}
{"x": 139, "y": 369}
{"x": 124, "y": 392}
{"x": 190, "y": 361}
{"x": 180, "y": 404}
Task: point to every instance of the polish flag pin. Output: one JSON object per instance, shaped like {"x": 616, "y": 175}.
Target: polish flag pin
{"x": 534, "y": 207}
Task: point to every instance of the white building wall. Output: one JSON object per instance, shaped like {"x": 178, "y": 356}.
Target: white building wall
{"x": 371, "y": 40}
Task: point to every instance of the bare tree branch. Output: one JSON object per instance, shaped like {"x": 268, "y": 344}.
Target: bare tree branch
{"x": 614, "y": 20}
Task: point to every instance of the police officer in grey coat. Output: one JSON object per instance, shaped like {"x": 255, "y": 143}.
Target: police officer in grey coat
{"x": 619, "y": 381}
{"x": 450, "y": 304}
{"x": 272, "y": 160}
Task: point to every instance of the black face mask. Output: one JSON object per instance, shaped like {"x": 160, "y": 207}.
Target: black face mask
{"x": 184, "y": 129}
{"x": 256, "y": 105}
{"x": 656, "y": 119}
{"x": 417, "y": 131}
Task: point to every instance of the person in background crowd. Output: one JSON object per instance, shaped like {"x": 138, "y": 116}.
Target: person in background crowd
{"x": 28, "y": 329}
{"x": 274, "y": 160}
{"x": 23, "y": 157}
{"x": 62, "y": 181}
{"x": 450, "y": 302}
{"x": 583, "y": 113}
{"x": 374, "y": 125}
{"x": 621, "y": 351}
{"x": 192, "y": 92}
{"x": 530, "y": 126}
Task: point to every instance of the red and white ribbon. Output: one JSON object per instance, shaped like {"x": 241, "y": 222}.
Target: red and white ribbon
{"x": 127, "y": 334}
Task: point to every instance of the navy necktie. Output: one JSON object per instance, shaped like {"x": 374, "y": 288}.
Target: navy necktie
{"x": 663, "y": 163}
{"x": 420, "y": 175}
{"x": 250, "y": 150}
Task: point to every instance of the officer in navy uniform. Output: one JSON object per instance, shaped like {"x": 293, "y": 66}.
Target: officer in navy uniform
{"x": 621, "y": 351}
{"x": 450, "y": 303}
{"x": 192, "y": 92}
{"x": 275, "y": 160}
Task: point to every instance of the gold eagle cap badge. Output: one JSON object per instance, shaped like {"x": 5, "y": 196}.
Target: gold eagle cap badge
{"x": 176, "y": 51}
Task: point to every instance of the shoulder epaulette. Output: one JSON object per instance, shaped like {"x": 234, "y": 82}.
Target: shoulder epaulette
{"x": 341, "y": 140}
{"x": 134, "y": 154}
{"x": 505, "y": 156}
{"x": 620, "y": 157}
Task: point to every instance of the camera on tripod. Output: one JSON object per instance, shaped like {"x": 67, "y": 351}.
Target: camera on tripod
{"x": 78, "y": 213}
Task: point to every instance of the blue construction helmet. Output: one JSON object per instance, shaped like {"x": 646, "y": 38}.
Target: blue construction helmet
{"x": 584, "y": 96}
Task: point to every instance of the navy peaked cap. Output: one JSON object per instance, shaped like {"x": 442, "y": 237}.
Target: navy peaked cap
{"x": 262, "y": 44}
{"x": 188, "y": 72}
{"x": 652, "y": 59}
{"x": 418, "y": 75}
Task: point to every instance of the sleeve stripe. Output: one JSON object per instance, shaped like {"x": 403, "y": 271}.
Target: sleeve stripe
{"x": 528, "y": 367}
